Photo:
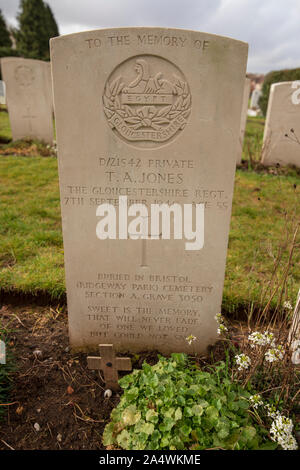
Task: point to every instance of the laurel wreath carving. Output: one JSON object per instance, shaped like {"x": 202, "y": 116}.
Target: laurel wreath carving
{"x": 155, "y": 117}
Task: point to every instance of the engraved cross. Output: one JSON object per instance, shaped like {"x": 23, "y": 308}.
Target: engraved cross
{"x": 29, "y": 116}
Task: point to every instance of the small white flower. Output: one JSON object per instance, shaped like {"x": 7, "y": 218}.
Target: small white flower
{"x": 190, "y": 339}
{"x": 271, "y": 411}
{"x": 288, "y": 443}
{"x": 281, "y": 432}
{"x": 256, "y": 401}
{"x": 287, "y": 305}
{"x": 219, "y": 318}
{"x": 261, "y": 339}
{"x": 281, "y": 425}
{"x": 222, "y": 329}
{"x": 243, "y": 361}
{"x": 274, "y": 354}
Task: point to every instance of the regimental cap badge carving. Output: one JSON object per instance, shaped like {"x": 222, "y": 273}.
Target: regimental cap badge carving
{"x": 147, "y": 101}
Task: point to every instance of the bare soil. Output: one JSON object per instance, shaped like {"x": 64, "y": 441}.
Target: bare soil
{"x": 55, "y": 402}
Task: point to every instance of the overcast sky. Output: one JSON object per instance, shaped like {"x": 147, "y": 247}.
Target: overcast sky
{"x": 271, "y": 27}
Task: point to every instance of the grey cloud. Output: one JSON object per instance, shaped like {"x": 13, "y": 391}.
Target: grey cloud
{"x": 271, "y": 27}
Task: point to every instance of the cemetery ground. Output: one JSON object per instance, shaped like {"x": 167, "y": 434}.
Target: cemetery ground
{"x": 49, "y": 399}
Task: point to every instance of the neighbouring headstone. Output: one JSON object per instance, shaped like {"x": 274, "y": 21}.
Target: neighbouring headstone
{"x": 254, "y": 102}
{"x": 110, "y": 365}
{"x": 282, "y": 129}
{"x": 2, "y": 92}
{"x": 243, "y": 119}
{"x": 2, "y": 352}
{"x": 29, "y": 98}
{"x": 294, "y": 333}
{"x": 151, "y": 115}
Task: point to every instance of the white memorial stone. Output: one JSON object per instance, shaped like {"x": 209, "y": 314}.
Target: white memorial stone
{"x": 29, "y": 98}
{"x": 254, "y": 102}
{"x": 294, "y": 334}
{"x": 282, "y": 129}
{"x": 151, "y": 115}
{"x": 2, "y": 92}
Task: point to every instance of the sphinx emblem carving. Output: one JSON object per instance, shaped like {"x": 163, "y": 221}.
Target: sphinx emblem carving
{"x": 152, "y": 105}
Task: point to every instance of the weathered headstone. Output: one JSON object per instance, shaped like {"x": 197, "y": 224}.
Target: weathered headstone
{"x": 2, "y": 352}
{"x": 28, "y": 97}
{"x": 294, "y": 333}
{"x": 254, "y": 102}
{"x": 2, "y": 92}
{"x": 153, "y": 115}
{"x": 110, "y": 365}
{"x": 282, "y": 129}
{"x": 243, "y": 118}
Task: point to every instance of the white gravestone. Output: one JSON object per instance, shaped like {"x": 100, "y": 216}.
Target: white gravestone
{"x": 256, "y": 94}
{"x": 150, "y": 114}
{"x": 2, "y": 92}
{"x": 2, "y": 352}
{"x": 294, "y": 334}
{"x": 281, "y": 142}
{"x": 29, "y": 98}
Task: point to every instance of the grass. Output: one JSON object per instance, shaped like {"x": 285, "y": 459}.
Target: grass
{"x": 5, "y": 131}
{"x": 253, "y": 138}
{"x": 31, "y": 251}
{"x": 260, "y": 224}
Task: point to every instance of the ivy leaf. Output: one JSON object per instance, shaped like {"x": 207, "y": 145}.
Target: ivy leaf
{"x": 248, "y": 433}
{"x": 131, "y": 416}
{"x": 197, "y": 410}
{"x": 132, "y": 394}
{"x": 181, "y": 400}
{"x": 147, "y": 428}
{"x": 166, "y": 425}
{"x": 165, "y": 441}
{"x": 152, "y": 416}
{"x": 185, "y": 430}
{"x": 169, "y": 413}
{"x": 223, "y": 432}
{"x": 107, "y": 437}
{"x": 178, "y": 414}
{"x": 123, "y": 439}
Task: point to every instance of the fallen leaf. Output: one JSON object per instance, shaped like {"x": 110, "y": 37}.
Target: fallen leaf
{"x": 19, "y": 410}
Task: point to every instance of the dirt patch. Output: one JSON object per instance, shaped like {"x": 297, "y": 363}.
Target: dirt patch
{"x": 56, "y": 402}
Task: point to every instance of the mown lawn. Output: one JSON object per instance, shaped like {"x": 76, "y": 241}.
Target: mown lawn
{"x": 31, "y": 251}
{"x": 253, "y": 139}
{"x": 5, "y": 131}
